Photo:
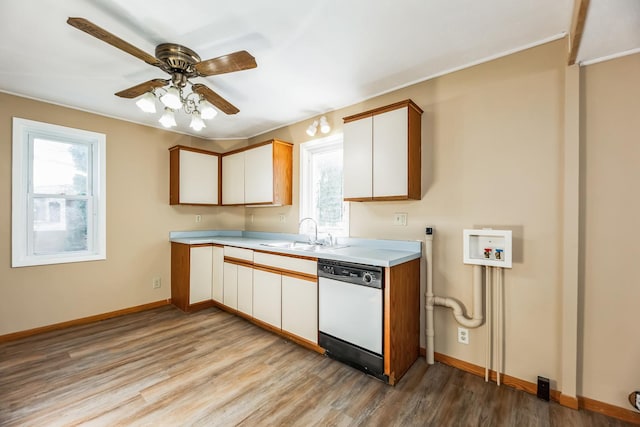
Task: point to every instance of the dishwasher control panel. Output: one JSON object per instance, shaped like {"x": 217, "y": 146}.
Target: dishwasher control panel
{"x": 359, "y": 274}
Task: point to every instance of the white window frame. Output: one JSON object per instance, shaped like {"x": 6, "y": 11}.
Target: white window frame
{"x": 24, "y": 132}
{"x": 307, "y": 150}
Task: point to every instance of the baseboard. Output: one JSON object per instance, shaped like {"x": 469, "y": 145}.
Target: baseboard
{"x": 507, "y": 380}
{"x": 569, "y": 401}
{"x": 623, "y": 414}
{"x": 578, "y": 402}
{"x": 83, "y": 321}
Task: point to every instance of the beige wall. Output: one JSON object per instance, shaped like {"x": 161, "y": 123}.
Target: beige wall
{"x": 610, "y": 208}
{"x": 492, "y": 143}
{"x": 139, "y": 219}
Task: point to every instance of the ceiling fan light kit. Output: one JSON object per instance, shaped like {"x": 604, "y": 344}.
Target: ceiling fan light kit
{"x": 147, "y": 103}
{"x": 168, "y": 119}
{"x": 182, "y": 64}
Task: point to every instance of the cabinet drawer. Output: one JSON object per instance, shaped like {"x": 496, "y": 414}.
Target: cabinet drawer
{"x": 279, "y": 262}
{"x": 238, "y": 253}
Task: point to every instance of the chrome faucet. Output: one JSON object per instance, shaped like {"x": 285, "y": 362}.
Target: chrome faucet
{"x": 315, "y": 240}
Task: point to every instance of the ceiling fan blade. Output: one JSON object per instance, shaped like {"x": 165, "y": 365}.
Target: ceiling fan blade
{"x": 145, "y": 87}
{"x": 237, "y": 61}
{"x": 102, "y": 34}
{"x": 214, "y": 98}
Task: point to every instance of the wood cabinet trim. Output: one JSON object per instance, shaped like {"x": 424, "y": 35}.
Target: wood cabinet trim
{"x": 259, "y": 144}
{"x": 238, "y": 261}
{"x": 287, "y": 255}
{"x": 401, "y": 104}
{"x": 195, "y": 150}
{"x": 289, "y": 273}
{"x": 401, "y": 318}
{"x": 180, "y": 275}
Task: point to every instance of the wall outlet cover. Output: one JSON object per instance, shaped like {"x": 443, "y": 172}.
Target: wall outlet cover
{"x": 543, "y": 388}
{"x": 463, "y": 335}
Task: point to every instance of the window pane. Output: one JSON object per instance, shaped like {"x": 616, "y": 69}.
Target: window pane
{"x": 60, "y": 167}
{"x": 60, "y": 225}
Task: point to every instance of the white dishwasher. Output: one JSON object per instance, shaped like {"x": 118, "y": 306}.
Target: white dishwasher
{"x": 350, "y": 314}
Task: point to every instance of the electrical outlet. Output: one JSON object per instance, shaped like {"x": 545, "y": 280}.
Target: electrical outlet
{"x": 198, "y": 218}
{"x": 283, "y": 218}
{"x": 463, "y": 335}
{"x": 400, "y": 219}
{"x": 156, "y": 282}
{"x": 251, "y": 218}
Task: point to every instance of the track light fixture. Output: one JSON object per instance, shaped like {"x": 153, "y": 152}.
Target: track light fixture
{"x": 324, "y": 126}
{"x": 173, "y": 99}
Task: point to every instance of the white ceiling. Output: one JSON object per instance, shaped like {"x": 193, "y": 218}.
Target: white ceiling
{"x": 312, "y": 57}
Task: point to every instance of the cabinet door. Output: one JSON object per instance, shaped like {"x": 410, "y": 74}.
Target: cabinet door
{"x": 198, "y": 178}
{"x": 300, "y": 307}
{"x": 357, "y": 154}
{"x": 217, "y": 284}
{"x": 267, "y": 297}
{"x": 230, "y": 280}
{"x": 258, "y": 174}
{"x": 245, "y": 289}
{"x": 233, "y": 179}
{"x": 200, "y": 274}
{"x": 390, "y": 153}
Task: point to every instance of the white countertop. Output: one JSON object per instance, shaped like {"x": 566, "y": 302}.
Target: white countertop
{"x": 383, "y": 253}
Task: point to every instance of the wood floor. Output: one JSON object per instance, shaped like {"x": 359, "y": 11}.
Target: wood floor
{"x": 165, "y": 368}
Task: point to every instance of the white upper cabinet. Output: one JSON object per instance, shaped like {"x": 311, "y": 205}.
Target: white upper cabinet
{"x": 258, "y": 165}
{"x": 390, "y": 163}
{"x": 358, "y": 158}
{"x": 382, "y": 153}
{"x": 194, "y": 176}
{"x": 233, "y": 179}
{"x": 258, "y": 175}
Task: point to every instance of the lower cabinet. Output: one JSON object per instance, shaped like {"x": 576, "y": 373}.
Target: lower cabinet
{"x": 267, "y": 300}
{"x": 200, "y": 269}
{"x": 217, "y": 284}
{"x": 300, "y": 307}
{"x": 230, "y": 280}
{"x": 276, "y": 290}
{"x": 245, "y": 290}
{"x": 194, "y": 269}
{"x": 238, "y": 287}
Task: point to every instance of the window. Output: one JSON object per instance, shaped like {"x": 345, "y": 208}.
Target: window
{"x": 58, "y": 202}
{"x": 321, "y": 185}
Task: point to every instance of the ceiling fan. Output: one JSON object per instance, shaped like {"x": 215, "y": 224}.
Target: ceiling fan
{"x": 178, "y": 61}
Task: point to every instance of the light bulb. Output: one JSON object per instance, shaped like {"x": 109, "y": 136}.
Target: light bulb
{"x": 324, "y": 125}
{"x": 147, "y": 103}
{"x": 206, "y": 110}
{"x": 168, "y": 119}
{"x": 196, "y": 122}
{"x": 171, "y": 98}
{"x": 312, "y": 129}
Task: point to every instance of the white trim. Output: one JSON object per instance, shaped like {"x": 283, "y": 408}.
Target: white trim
{"x": 21, "y": 210}
{"x": 609, "y": 57}
{"x": 307, "y": 149}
